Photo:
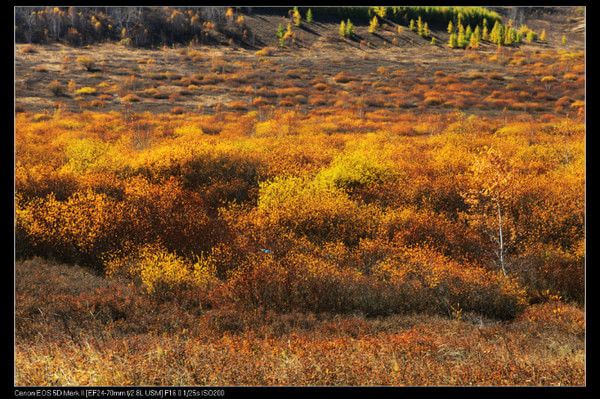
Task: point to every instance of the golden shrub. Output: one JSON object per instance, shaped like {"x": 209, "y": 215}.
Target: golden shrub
{"x": 164, "y": 273}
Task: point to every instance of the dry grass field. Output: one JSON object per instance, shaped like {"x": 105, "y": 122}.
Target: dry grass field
{"x": 87, "y": 331}
{"x": 200, "y": 80}
{"x": 364, "y": 210}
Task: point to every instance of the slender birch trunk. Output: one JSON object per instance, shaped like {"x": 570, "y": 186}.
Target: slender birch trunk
{"x": 501, "y": 242}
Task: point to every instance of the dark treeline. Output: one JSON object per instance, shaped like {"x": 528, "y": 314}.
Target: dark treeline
{"x": 136, "y": 26}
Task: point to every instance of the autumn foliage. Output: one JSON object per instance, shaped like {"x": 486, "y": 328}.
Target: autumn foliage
{"x": 385, "y": 221}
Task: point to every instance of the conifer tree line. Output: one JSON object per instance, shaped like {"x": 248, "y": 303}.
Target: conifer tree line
{"x": 462, "y": 36}
{"x": 436, "y": 16}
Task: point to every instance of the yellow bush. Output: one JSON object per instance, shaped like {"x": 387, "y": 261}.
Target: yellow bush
{"x": 89, "y": 154}
{"x": 79, "y": 229}
{"x": 86, "y": 91}
{"x": 313, "y": 209}
{"x": 358, "y": 168}
{"x": 188, "y": 130}
{"x": 344, "y": 191}
{"x": 164, "y": 273}
{"x": 87, "y": 62}
{"x": 431, "y": 282}
{"x": 265, "y": 52}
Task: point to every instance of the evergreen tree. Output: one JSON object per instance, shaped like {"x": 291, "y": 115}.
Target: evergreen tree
{"x": 453, "y": 41}
{"x": 349, "y": 28}
{"x": 420, "y": 26}
{"x": 411, "y": 25}
{"x": 508, "y": 36}
{"x": 518, "y": 37}
{"x": 373, "y": 25}
{"x": 473, "y": 42}
{"x": 380, "y": 11}
{"x": 543, "y": 35}
{"x": 309, "y": 16}
{"x": 462, "y": 41}
{"x": 280, "y": 31}
{"x": 485, "y": 35}
{"x": 477, "y": 33}
{"x": 450, "y": 27}
{"x": 297, "y": 17}
{"x": 342, "y": 29}
{"x": 530, "y": 36}
{"x": 497, "y": 34}
{"x": 468, "y": 33}
{"x": 500, "y": 34}
{"x": 494, "y": 33}
{"x": 426, "y": 32}
{"x": 433, "y": 41}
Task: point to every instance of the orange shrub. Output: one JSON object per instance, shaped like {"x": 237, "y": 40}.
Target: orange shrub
{"x": 544, "y": 268}
{"x": 311, "y": 209}
{"x": 168, "y": 214}
{"x": 442, "y": 285}
{"x": 413, "y": 280}
{"x": 77, "y": 230}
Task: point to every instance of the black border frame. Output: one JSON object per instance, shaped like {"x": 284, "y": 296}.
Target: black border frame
{"x": 7, "y": 178}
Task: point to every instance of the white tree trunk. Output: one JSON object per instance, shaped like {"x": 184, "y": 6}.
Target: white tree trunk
{"x": 500, "y": 241}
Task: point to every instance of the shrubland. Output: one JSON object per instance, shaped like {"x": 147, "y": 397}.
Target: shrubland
{"x": 77, "y": 328}
{"x": 189, "y": 215}
{"x": 376, "y": 221}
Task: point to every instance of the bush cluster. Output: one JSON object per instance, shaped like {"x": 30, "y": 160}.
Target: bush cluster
{"x": 290, "y": 218}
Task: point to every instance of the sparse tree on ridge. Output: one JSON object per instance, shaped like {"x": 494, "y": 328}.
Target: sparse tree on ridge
{"x": 530, "y": 36}
{"x": 280, "y": 33}
{"x": 473, "y": 42}
{"x": 461, "y": 39}
{"x": 476, "y": 35}
{"x": 373, "y": 25}
{"x": 453, "y": 41}
{"x": 349, "y": 28}
{"x": 297, "y": 17}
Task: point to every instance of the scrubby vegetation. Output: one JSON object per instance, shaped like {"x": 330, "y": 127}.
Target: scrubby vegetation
{"x": 331, "y": 197}
{"x": 103, "y": 332}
